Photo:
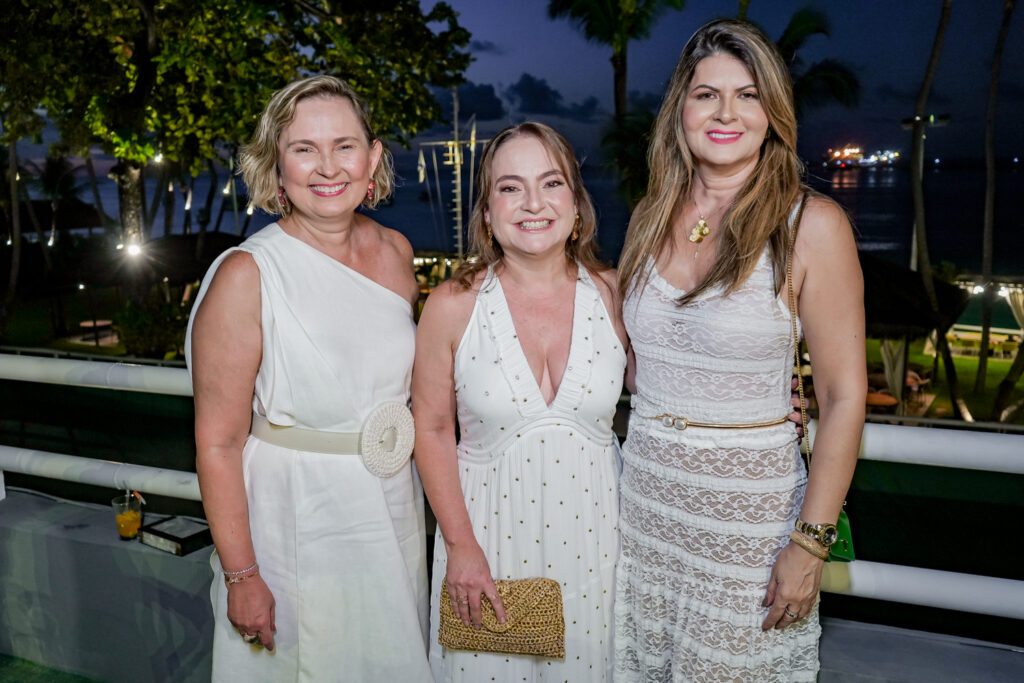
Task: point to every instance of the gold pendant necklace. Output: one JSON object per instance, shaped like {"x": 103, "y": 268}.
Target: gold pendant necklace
{"x": 699, "y": 231}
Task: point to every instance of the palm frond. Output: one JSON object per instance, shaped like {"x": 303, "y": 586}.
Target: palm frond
{"x": 826, "y": 82}
{"x": 805, "y": 22}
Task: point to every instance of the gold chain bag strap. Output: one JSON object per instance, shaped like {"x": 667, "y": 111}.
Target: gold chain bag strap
{"x": 842, "y": 549}
{"x": 534, "y": 623}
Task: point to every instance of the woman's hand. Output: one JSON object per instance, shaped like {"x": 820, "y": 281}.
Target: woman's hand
{"x": 251, "y": 610}
{"x": 469, "y": 578}
{"x": 792, "y": 588}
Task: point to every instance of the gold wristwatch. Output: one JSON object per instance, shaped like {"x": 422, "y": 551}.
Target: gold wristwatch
{"x": 825, "y": 534}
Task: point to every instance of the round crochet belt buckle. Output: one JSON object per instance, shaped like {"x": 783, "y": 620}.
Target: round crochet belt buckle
{"x": 387, "y": 439}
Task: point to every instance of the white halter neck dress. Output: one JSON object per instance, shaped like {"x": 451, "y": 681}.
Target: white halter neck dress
{"x": 540, "y": 482}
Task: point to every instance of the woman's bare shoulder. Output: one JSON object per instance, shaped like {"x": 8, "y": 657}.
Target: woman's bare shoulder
{"x": 607, "y": 282}
{"x": 447, "y": 311}
{"x": 236, "y": 274}
{"x": 824, "y": 225}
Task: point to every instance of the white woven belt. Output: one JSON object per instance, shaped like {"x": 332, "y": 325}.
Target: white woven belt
{"x": 384, "y": 444}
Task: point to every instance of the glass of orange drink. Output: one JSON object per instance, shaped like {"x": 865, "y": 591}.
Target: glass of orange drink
{"x": 128, "y": 514}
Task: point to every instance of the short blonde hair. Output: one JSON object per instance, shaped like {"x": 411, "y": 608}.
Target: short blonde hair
{"x": 258, "y": 159}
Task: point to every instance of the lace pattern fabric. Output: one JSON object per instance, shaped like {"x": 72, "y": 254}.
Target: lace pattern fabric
{"x": 705, "y": 512}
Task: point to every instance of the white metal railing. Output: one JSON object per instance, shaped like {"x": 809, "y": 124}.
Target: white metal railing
{"x": 116, "y": 475}
{"x": 82, "y": 373}
{"x": 890, "y": 443}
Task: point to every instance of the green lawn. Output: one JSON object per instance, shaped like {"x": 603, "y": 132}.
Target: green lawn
{"x": 980, "y": 405}
{"x": 23, "y": 671}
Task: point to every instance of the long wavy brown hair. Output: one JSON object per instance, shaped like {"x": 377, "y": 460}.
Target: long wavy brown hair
{"x": 483, "y": 251}
{"x": 758, "y": 214}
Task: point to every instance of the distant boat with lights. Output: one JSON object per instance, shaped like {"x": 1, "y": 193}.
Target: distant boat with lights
{"x": 853, "y": 156}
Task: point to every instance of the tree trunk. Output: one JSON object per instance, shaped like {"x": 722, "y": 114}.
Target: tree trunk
{"x": 207, "y": 211}
{"x": 920, "y": 233}
{"x": 128, "y": 177}
{"x": 7, "y": 310}
{"x": 170, "y": 199}
{"x": 40, "y": 234}
{"x": 95, "y": 187}
{"x": 619, "y": 70}
{"x": 1007, "y": 385}
{"x": 988, "y": 296}
{"x": 186, "y": 226}
{"x": 161, "y": 187}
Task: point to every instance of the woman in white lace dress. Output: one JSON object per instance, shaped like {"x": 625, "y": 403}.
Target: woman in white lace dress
{"x": 710, "y": 586}
{"x": 525, "y": 349}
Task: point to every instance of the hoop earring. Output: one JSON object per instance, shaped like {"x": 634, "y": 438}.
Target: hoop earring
{"x": 490, "y": 234}
{"x": 576, "y": 228}
{"x": 371, "y": 188}
{"x": 282, "y": 201}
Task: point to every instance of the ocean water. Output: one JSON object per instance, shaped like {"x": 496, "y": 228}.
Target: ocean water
{"x": 880, "y": 203}
{"x": 878, "y": 200}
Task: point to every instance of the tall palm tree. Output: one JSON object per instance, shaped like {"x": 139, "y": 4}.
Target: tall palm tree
{"x": 924, "y": 266}
{"x": 614, "y": 23}
{"x": 990, "y": 197}
{"x": 55, "y": 180}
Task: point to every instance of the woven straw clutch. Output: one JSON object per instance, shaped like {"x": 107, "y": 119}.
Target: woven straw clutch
{"x": 534, "y": 622}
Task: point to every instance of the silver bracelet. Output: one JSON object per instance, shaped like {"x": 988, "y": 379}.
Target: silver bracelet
{"x": 241, "y": 571}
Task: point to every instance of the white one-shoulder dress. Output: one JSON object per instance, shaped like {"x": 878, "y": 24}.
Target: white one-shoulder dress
{"x": 539, "y": 481}
{"x": 342, "y": 551}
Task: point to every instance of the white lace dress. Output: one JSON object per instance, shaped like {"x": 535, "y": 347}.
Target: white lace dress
{"x": 540, "y": 482}
{"x": 705, "y": 512}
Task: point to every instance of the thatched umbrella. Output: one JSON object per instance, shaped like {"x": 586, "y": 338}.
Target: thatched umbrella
{"x": 897, "y": 309}
{"x": 896, "y": 303}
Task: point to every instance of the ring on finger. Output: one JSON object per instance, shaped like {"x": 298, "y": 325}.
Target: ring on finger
{"x": 791, "y": 615}
{"x": 251, "y": 638}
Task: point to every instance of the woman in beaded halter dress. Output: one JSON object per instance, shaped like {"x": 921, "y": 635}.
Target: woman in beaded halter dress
{"x": 524, "y": 348}
{"x": 714, "y": 582}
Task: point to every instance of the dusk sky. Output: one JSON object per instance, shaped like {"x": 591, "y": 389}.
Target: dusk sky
{"x": 886, "y": 42}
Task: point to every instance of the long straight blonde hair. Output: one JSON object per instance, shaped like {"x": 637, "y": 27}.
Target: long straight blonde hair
{"x": 758, "y": 214}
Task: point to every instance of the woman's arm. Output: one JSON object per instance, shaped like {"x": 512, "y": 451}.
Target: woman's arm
{"x": 441, "y": 326}
{"x": 226, "y": 352}
{"x": 830, "y": 289}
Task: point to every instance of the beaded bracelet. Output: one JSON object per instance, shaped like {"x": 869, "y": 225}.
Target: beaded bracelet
{"x": 242, "y": 571}
{"x": 809, "y": 544}
{"x": 228, "y": 580}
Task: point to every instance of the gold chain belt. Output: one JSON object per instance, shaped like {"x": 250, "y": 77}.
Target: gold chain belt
{"x": 681, "y": 423}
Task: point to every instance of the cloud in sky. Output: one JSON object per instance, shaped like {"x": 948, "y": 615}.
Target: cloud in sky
{"x": 532, "y": 95}
{"x": 474, "y": 98}
{"x": 486, "y": 47}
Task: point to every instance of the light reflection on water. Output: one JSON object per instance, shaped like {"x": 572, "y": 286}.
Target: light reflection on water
{"x": 878, "y": 200}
